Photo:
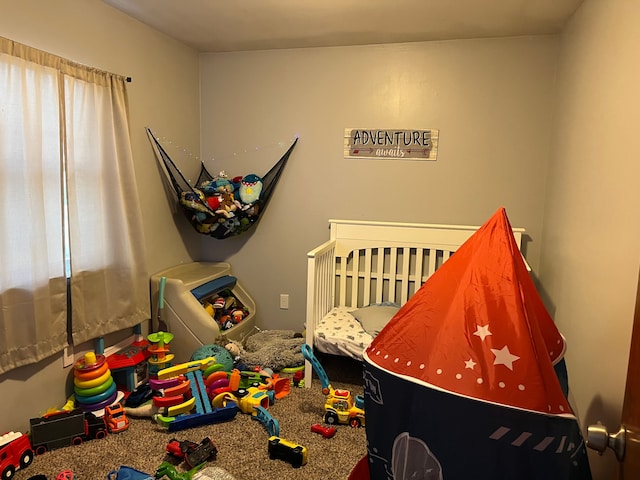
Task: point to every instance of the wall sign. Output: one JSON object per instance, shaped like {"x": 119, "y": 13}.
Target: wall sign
{"x": 390, "y": 144}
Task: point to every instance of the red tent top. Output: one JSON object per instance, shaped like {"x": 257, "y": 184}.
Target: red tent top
{"x": 478, "y": 328}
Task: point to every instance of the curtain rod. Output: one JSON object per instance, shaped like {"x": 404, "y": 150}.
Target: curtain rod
{"x": 21, "y": 50}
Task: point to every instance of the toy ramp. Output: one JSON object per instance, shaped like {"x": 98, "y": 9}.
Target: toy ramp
{"x": 463, "y": 376}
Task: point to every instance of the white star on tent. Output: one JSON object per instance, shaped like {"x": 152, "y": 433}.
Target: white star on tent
{"x": 469, "y": 364}
{"x": 504, "y": 357}
{"x": 482, "y": 331}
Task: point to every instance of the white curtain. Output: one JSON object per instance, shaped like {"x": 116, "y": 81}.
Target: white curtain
{"x": 64, "y": 132}
{"x": 33, "y": 312}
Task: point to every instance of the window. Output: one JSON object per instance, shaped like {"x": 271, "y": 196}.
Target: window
{"x": 67, "y": 196}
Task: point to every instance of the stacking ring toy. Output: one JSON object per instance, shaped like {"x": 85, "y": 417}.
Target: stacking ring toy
{"x": 94, "y": 382}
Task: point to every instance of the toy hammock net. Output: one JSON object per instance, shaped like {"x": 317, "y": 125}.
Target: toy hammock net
{"x": 219, "y": 206}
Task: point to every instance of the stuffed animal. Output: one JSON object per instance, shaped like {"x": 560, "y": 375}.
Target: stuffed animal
{"x": 236, "y": 351}
{"x": 219, "y": 196}
{"x": 250, "y": 189}
{"x": 274, "y": 349}
{"x": 218, "y": 193}
{"x": 193, "y": 200}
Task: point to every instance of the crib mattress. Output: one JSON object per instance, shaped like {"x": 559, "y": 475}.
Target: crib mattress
{"x": 339, "y": 333}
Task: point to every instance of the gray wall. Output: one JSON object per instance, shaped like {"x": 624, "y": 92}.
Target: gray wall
{"x": 491, "y": 99}
{"x": 589, "y": 266}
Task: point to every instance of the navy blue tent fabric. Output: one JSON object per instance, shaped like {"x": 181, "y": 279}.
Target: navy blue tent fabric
{"x": 461, "y": 383}
{"x": 419, "y": 432}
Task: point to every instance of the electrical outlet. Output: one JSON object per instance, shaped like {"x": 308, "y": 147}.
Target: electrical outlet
{"x": 284, "y": 301}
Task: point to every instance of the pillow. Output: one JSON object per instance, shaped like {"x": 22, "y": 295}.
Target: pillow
{"x": 373, "y": 318}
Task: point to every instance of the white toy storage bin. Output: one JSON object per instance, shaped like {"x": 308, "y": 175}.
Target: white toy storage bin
{"x": 185, "y": 315}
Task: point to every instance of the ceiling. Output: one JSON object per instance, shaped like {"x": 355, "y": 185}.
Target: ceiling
{"x": 237, "y": 25}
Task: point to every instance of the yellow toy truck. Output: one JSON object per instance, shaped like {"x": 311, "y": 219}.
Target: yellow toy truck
{"x": 340, "y": 406}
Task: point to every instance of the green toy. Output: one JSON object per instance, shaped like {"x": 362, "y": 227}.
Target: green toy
{"x": 166, "y": 469}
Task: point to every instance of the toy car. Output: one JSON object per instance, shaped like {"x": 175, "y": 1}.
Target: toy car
{"x": 282, "y": 449}
{"x": 139, "y": 396}
{"x": 115, "y": 418}
{"x": 326, "y": 432}
{"x": 193, "y": 453}
{"x": 179, "y": 448}
{"x": 340, "y": 406}
{"x": 15, "y": 453}
{"x": 202, "y": 453}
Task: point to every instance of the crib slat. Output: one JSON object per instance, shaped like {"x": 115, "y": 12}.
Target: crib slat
{"x": 326, "y": 269}
{"x": 366, "y": 300}
{"x": 343, "y": 280}
{"x": 419, "y": 263}
{"x": 379, "y": 283}
{"x": 355, "y": 279}
{"x": 404, "y": 275}
{"x": 393, "y": 270}
{"x": 433, "y": 256}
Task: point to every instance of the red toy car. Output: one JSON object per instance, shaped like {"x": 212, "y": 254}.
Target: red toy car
{"x": 193, "y": 453}
{"x": 15, "y": 453}
{"x": 326, "y": 432}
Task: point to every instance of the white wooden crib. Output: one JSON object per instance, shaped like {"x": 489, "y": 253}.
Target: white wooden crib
{"x": 370, "y": 264}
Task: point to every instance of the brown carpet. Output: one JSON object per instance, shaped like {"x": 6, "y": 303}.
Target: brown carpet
{"x": 242, "y": 442}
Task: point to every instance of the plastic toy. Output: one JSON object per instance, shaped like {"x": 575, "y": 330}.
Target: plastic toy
{"x": 124, "y": 472}
{"x": 282, "y": 449}
{"x": 94, "y": 387}
{"x": 115, "y": 418}
{"x": 297, "y": 375}
{"x": 252, "y": 401}
{"x": 179, "y": 448}
{"x": 247, "y": 399}
{"x": 281, "y": 386}
{"x": 65, "y": 475}
{"x": 326, "y": 432}
{"x": 60, "y": 429}
{"x": 139, "y": 396}
{"x": 221, "y": 303}
{"x": 188, "y": 404}
{"x": 339, "y": 406}
{"x": 159, "y": 350}
{"x": 166, "y": 469}
{"x": 181, "y": 422}
{"x": 183, "y": 368}
{"x": 298, "y": 379}
{"x": 15, "y": 453}
{"x": 193, "y": 453}
{"x": 129, "y": 366}
{"x": 182, "y": 387}
{"x": 176, "y": 395}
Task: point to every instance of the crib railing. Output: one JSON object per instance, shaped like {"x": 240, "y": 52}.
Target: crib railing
{"x": 373, "y": 262}
{"x": 385, "y": 274}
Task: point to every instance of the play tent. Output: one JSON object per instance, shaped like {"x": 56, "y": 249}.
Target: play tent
{"x": 461, "y": 383}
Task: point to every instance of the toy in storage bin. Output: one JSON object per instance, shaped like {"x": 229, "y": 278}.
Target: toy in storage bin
{"x": 201, "y": 301}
